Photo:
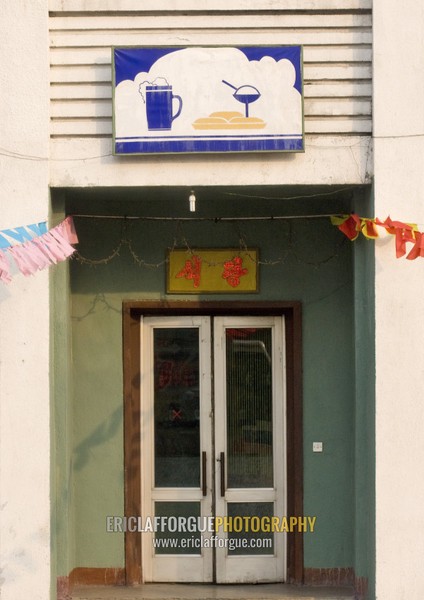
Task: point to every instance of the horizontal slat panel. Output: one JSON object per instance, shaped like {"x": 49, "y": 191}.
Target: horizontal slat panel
{"x": 340, "y": 89}
{"x": 328, "y": 89}
{"x": 105, "y": 6}
{"x": 323, "y": 106}
{"x": 80, "y": 56}
{"x": 248, "y": 20}
{"x": 81, "y": 127}
{"x": 337, "y": 71}
{"x": 354, "y": 53}
{"x": 90, "y": 127}
{"x": 337, "y": 107}
{"x": 102, "y": 73}
{"x": 80, "y": 92}
{"x": 102, "y": 56}
{"x": 337, "y": 52}
{"x": 81, "y": 109}
{"x": 221, "y": 36}
{"x": 337, "y": 125}
{"x": 83, "y": 74}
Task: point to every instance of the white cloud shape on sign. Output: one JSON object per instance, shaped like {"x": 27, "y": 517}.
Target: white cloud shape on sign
{"x": 196, "y": 75}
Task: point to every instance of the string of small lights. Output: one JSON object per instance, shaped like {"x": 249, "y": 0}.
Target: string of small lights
{"x": 180, "y": 240}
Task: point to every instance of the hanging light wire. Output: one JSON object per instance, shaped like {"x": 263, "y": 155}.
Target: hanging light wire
{"x": 211, "y": 219}
{"x": 180, "y": 241}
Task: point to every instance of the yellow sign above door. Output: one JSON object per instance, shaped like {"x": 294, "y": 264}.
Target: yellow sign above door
{"x": 220, "y": 271}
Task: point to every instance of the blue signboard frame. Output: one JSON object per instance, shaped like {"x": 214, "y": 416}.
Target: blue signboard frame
{"x": 213, "y": 99}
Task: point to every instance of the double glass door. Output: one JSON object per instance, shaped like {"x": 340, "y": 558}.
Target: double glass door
{"x": 213, "y": 449}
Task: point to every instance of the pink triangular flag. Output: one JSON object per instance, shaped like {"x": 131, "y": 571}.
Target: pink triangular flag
{"x": 68, "y": 230}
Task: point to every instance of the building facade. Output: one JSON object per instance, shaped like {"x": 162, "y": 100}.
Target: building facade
{"x": 119, "y": 409}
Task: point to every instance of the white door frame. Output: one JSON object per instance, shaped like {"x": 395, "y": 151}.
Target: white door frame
{"x": 252, "y": 568}
{"x": 199, "y": 567}
{"x": 188, "y": 567}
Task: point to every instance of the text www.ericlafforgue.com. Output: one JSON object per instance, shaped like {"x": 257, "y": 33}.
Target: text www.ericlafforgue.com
{"x": 194, "y": 543}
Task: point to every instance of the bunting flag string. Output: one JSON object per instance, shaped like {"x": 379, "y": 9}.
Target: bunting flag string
{"x": 352, "y": 225}
{"x": 36, "y": 247}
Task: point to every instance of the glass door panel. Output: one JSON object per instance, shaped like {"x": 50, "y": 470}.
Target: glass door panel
{"x": 172, "y": 539}
{"x": 249, "y": 407}
{"x": 176, "y": 402}
{"x": 259, "y": 539}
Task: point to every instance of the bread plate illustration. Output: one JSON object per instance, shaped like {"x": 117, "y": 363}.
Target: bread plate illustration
{"x": 228, "y": 120}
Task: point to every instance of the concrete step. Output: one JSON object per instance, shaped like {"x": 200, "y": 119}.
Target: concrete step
{"x": 168, "y": 591}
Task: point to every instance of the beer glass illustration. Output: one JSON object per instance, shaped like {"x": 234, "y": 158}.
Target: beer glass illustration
{"x": 160, "y": 106}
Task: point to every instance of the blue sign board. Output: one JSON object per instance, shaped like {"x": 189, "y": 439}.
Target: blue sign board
{"x": 207, "y": 99}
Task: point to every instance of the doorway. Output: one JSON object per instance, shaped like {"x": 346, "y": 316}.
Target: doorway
{"x": 213, "y": 448}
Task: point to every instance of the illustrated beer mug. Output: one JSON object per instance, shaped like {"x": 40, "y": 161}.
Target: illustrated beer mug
{"x": 159, "y": 107}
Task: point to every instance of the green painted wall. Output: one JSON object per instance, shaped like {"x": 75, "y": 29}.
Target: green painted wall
{"x": 61, "y": 413}
{"x": 314, "y": 265}
{"x": 365, "y": 404}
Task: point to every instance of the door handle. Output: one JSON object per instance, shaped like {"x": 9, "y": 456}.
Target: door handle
{"x": 222, "y": 461}
{"x": 204, "y": 475}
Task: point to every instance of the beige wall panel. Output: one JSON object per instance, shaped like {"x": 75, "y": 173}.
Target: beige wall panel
{"x": 336, "y": 44}
{"x": 110, "y": 6}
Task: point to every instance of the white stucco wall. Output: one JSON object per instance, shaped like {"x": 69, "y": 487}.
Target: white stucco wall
{"x": 24, "y": 304}
{"x": 399, "y": 191}
{"x": 24, "y": 307}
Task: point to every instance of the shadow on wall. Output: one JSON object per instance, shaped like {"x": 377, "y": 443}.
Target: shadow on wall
{"x": 102, "y": 433}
